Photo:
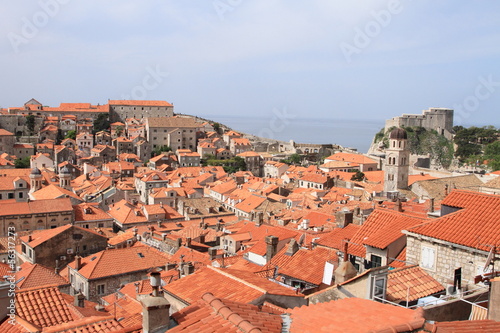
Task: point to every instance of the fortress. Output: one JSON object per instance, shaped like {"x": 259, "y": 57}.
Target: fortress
{"x": 439, "y": 119}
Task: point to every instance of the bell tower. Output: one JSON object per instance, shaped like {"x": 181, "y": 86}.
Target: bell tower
{"x": 397, "y": 161}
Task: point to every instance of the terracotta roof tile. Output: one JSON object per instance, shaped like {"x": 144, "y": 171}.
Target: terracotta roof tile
{"x": 36, "y": 207}
{"x": 357, "y": 315}
{"x": 464, "y": 326}
{"x": 410, "y": 284}
{"x": 334, "y": 239}
{"x": 120, "y": 261}
{"x": 382, "y": 227}
{"x": 475, "y": 224}
{"x": 44, "y": 235}
{"x": 139, "y": 102}
{"x": 44, "y": 307}
{"x": 36, "y": 276}
{"x": 211, "y": 314}
{"x": 353, "y": 158}
{"x": 238, "y": 286}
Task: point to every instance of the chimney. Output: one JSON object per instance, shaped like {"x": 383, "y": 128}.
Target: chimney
{"x": 188, "y": 241}
{"x": 343, "y": 218}
{"x": 78, "y": 263}
{"x": 212, "y": 253}
{"x": 155, "y": 282}
{"x": 445, "y": 190}
{"x": 79, "y": 300}
{"x": 56, "y": 270}
{"x": 155, "y": 314}
{"x": 202, "y": 239}
{"x": 188, "y": 269}
{"x": 399, "y": 205}
{"x": 271, "y": 247}
{"x": 293, "y": 247}
{"x": 30, "y": 238}
{"x": 431, "y": 205}
{"x": 494, "y": 303}
{"x": 345, "y": 272}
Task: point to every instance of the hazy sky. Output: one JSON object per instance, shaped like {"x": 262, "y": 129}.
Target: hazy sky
{"x": 315, "y": 58}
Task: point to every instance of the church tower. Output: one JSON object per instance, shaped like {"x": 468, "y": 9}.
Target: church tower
{"x": 35, "y": 180}
{"x": 397, "y": 161}
{"x": 65, "y": 178}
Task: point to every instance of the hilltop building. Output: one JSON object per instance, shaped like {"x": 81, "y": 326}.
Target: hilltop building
{"x": 439, "y": 119}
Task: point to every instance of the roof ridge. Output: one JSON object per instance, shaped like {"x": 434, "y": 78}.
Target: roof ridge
{"x": 29, "y": 271}
{"x": 262, "y": 290}
{"x": 225, "y": 312}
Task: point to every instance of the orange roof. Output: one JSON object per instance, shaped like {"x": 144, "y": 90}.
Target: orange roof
{"x": 120, "y": 261}
{"x": 409, "y": 284}
{"x": 306, "y": 265}
{"x": 139, "y": 103}
{"x": 44, "y": 235}
{"x": 94, "y": 324}
{"x": 334, "y": 238}
{"x": 90, "y": 211}
{"x": 238, "y": 286}
{"x": 35, "y": 207}
{"x": 314, "y": 178}
{"x": 400, "y": 260}
{"x": 54, "y": 192}
{"x": 211, "y": 314}
{"x": 317, "y": 219}
{"x": 465, "y": 326}
{"x": 357, "y": 315}
{"x": 382, "y": 227}
{"x": 35, "y": 275}
{"x": 350, "y": 157}
{"x": 44, "y": 307}
{"x": 250, "y": 203}
{"x": 241, "y": 141}
{"x": 5, "y": 132}
{"x": 415, "y": 178}
{"x": 474, "y": 225}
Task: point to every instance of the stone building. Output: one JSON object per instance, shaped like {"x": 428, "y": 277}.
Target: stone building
{"x": 439, "y": 119}
{"x": 55, "y": 248}
{"x": 397, "y": 161}
{"x": 103, "y": 273}
{"x": 459, "y": 242}
{"x": 7, "y": 141}
{"x": 35, "y": 215}
{"x": 120, "y": 110}
{"x": 175, "y": 132}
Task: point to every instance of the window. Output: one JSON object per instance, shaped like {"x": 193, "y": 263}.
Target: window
{"x": 376, "y": 260}
{"x": 21, "y": 195}
{"x": 11, "y": 195}
{"x": 100, "y": 289}
{"x": 428, "y": 257}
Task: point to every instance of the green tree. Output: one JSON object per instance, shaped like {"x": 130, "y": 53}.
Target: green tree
{"x": 71, "y": 135}
{"x": 101, "y": 123}
{"x": 22, "y": 163}
{"x": 119, "y": 130}
{"x": 358, "y": 176}
{"x": 492, "y": 154}
{"x": 30, "y": 123}
{"x": 160, "y": 149}
{"x": 217, "y": 127}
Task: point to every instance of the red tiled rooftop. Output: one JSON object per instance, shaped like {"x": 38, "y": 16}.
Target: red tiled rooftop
{"x": 357, "y": 315}
{"x": 410, "y": 284}
{"x": 474, "y": 225}
{"x": 211, "y": 314}
{"x": 120, "y": 261}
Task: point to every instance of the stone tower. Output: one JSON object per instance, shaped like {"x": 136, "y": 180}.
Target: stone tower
{"x": 397, "y": 161}
{"x": 35, "y": 180}
{"x": 65, "y": 178}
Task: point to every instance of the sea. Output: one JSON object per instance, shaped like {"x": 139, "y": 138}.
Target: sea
{"x": 348, "y": 133}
